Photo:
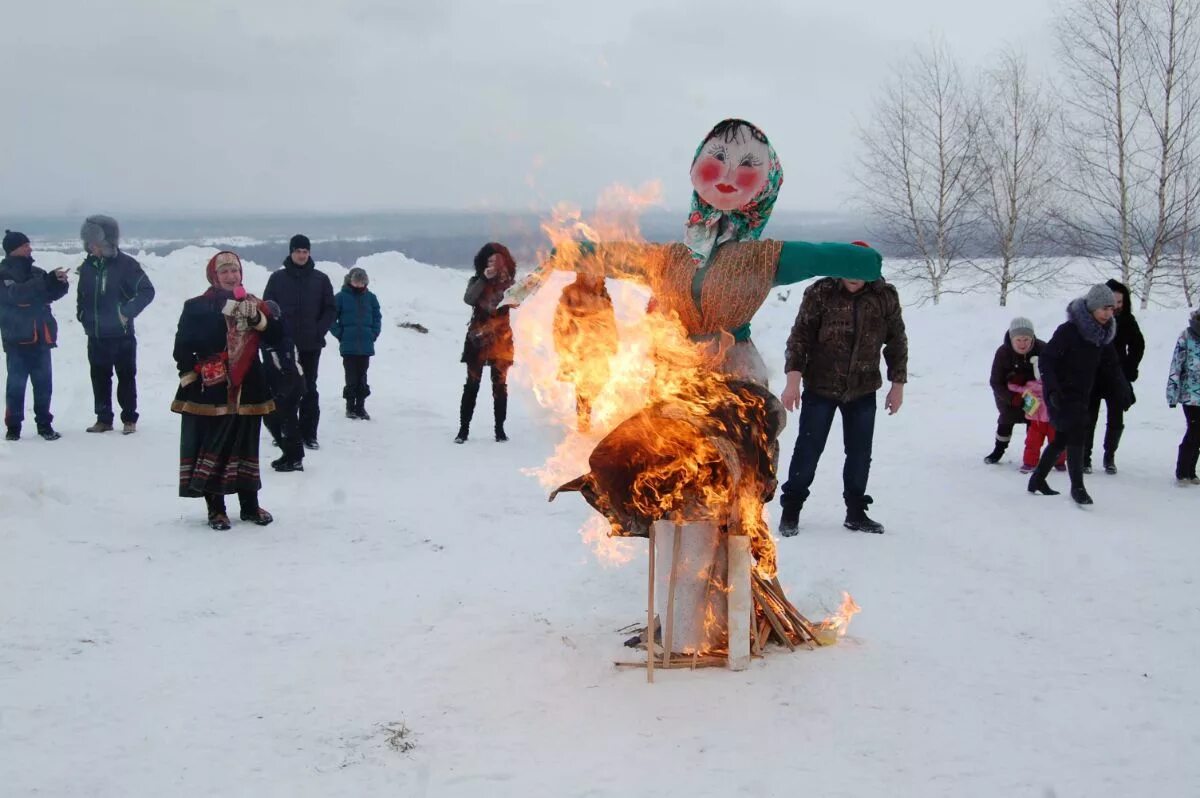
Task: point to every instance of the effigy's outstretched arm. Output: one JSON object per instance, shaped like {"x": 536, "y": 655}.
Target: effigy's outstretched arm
{"x": 622, "y": 260}
{"x": 800, "y": 260}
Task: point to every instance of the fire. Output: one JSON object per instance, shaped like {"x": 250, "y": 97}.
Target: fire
{"x": 834, "y": 627}
{"x": 609, "y": 550}
{"x": 700, "y": 473}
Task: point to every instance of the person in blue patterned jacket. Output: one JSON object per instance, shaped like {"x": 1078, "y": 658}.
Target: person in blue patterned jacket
{"x": 1183, "y": 388}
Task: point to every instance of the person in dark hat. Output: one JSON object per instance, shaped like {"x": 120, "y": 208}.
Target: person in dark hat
{"x": 305, "y": 295}
{"x": 358, "y": 324}
{"x": 1080, "y": 348}
{"x": 29, "y": 332}
{"x": 112, "y": 291}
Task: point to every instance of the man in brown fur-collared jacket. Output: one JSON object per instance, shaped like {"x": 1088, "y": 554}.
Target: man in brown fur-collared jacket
{"x": 834, "y": 348}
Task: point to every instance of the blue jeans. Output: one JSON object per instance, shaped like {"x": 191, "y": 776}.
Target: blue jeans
{"x": 858, "y": 430}
{"x": 28, "y": 364}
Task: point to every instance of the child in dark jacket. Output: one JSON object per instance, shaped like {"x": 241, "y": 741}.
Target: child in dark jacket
{"x": 356, "y": 326}
{"x": 1012, "y": 365}
{"x": 285, "y": 380}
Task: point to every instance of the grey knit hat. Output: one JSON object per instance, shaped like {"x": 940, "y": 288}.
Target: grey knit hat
{"x": 1020, "y": 326}
{"x": 102, "y": 231}
{"x": 1099, "y": 296}
{"x": 358, "y": 274}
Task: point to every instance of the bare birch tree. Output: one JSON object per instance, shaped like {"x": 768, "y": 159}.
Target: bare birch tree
{"x": 1021, "y": 169}
{"x": 918, "y": 173}
{"x": 1168, "y": 100}
{"x": 1098, "y": 43}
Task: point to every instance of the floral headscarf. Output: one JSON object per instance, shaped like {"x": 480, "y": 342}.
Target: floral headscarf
{"x": 707, "y": 228}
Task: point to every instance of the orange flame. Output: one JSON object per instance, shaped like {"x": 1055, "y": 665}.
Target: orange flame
{"x": 651, "y": 359}
{"x": 834, "y": 626}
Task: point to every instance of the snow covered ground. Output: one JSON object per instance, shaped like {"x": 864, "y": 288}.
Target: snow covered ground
{"x": 1009, "y": 645}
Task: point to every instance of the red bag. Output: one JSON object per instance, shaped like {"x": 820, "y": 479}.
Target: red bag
{"x": 213, "y": 371}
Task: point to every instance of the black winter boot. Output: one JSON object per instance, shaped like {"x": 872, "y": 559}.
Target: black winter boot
{"x": 1037, "y": 480}
{"x": 857, "y": 519}
{"x": 466, "y": 409}
{"x": 1112, "y": 439}
{"x": 351, "y": 397}
{"x": 789, "y": 522}
{"x": 500, "y": 403}
{"x": 361, "y": 406}
{"x": 997, "y": 452}
{"x": 1185, "y": 463}
{"x": 218, "y": 518}
{"x": 1075, "y": 470}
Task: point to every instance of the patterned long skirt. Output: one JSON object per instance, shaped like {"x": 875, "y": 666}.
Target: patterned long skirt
{"x": 218, "y": 454}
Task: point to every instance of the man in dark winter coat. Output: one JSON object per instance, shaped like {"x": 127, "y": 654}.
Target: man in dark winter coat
{"x": 29, "y": 332}
{"x": 286, "y": 383}
{"x": 1080, "y": 349}
{"x": 1130, "y": 346}
{"x": 1012, "y": 365}
{"x": 112, "y": 291}
{"x": 834, "y": 348}
{"x": 305, "y": 295}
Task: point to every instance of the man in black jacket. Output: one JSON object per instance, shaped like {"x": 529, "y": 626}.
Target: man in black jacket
{"x": 305, "y": 295}
{"x": 29, "y": 332}
{"x": 1130, "y": 346}
{"x": 113, "y": 290}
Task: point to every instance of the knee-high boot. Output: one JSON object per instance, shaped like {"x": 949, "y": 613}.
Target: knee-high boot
{"x": 500, "y": 404}
{"x": 466, "y": 409}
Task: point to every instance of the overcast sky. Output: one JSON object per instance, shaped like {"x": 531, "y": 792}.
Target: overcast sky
{"x": 325, "y": 106}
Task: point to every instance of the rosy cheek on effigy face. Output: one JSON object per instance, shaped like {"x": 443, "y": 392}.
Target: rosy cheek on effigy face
{"x": 750, "y": 178}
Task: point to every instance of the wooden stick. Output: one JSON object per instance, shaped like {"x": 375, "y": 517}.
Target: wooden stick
{"x": 669, "y": 638}
{"x": 650, "y": 614}
{"x": 775, "y": 589}
{"x": 774, "y": 620}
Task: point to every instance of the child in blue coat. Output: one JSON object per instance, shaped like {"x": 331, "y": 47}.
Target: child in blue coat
{"x": 356, "y": 326}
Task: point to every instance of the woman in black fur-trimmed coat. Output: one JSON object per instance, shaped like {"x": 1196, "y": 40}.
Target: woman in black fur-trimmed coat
{"x": 489, "y": 340}
{"x": 1080, "y": 349}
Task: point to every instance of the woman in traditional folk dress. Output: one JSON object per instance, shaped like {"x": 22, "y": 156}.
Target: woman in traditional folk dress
{"x": 223, "y": 393}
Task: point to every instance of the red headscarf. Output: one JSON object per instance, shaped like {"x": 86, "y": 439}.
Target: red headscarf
{"x": 241, "y": 345}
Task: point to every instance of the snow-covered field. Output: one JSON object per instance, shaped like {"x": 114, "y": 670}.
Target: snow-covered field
{"x": 1009, "y": 645}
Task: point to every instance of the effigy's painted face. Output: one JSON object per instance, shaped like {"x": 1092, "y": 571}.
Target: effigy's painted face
{"x": 729, "y": 174}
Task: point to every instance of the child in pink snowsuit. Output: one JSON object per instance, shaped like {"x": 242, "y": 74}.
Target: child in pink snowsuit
{"x": 1040, "y": 431}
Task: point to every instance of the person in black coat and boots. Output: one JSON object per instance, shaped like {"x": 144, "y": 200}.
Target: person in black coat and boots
{"x": 1130, "y": 346}
{"x": 489, "y": 340}
{"x": 1080, "y": 349}
{"x": 112, "y": 291}
{"x": 305, "y": 295}
{"x": 286, "y": 383}
{"x": 29, "y": 332}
